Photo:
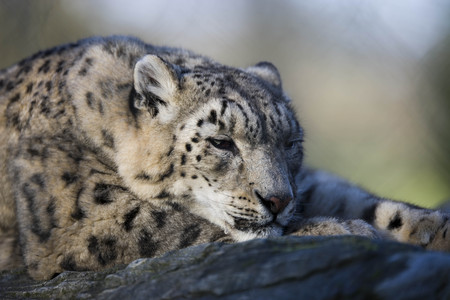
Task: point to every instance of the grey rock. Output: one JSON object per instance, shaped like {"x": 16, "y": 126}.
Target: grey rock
{"x": 346, "y": 267}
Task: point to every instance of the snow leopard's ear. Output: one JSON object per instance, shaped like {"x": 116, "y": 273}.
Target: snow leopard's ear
{"x": 267, "y": 72}
{"x": 156, "y": 83}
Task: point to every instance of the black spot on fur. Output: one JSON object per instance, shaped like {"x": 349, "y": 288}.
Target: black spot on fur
{"x": 200, "y": 123}
{"x": 160, "y": 218}
{"x": 212, "y": 116}
{"x": 102, "y": 192}
{"x": 96, "y": 171}
{"x": 221, "y": 125}
{"x": 129, "y": 217}
{"x": 179, "y": 61}
{"x": 48, "y": 86}
{"x": 190, "y": 235}
{"x": 61, "y": 86}
{"x": 69, "y": 178}
{"x": 15, "y": 98}
{"x": 68, "y": 263}
{"x": 45, "y": 108}
{"x": 104, "y": 249}
{"x": 147, "y": 245}
{"x": 167, "y": 173}
{"x": 163, "y": 194}
{"x": 272, "y": 122}
{"x": 61, "y": 102}
{"x": 75, "y": 153}
{"x": 83, "y": 71}
{"x": 369, "y": 213}
{"x": 108, "y": 139}
{"x": 59, "y": 67}
{"x": 143, "y": 176}
{"x": 188, "y": 147}
{"x": 199, "y": 158}
{"x": 13, "y": 120}
{"x": 29, "y": 88}
{"x": 93, "y": 245}
{"x": 59, "y": 113}
{"x": 170, "y": 151}
{"x": 194, "y": 176}
{"x": 108, "y": 251}
{"x": 183, "y": 159}
{"x": 45, "y": 67}
{"x": 175, "y": 206}
{"x": 89, "y": 99}
{"x": 51, "y": 208}
{"x": 100, "y": 108}
{"x": 224, "y": 107}
{"x": 25, "y": 69}
{"x": 194, "y": 140}
{"x": 123, "y": 86}
{"x": 396, "y": 222}
{"x": 48, "y": 52}
{"x": 38, "y": 179}
{"x": 78, "y": 213}
{"x": 9, "y": 86}
{"x": 36, "y": 227}
{"x": 19, "y": 82}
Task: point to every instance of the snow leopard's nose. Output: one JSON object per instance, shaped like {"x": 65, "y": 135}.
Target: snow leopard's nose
{"x": 275, "y": 204}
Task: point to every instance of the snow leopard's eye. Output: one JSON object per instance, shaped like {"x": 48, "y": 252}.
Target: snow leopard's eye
{"x": 223, "y": 143}
{"x": 292, "y": 144}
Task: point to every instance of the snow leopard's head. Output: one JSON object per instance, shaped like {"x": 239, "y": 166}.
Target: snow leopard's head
{"x": 225, "y": 138}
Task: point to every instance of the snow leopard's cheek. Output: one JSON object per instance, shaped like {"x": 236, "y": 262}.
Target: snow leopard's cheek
{"x": 196, "y": 153}
{"x": 201, "y": 166}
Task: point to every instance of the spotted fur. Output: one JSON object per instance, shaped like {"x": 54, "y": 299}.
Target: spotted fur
{"x": 112, "y": 149}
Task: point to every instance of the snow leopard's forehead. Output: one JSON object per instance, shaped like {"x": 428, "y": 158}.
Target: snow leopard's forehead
{"x": 261, "y": 110}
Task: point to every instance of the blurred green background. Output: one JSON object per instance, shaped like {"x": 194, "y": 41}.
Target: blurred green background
{"x": 369, "y": 79}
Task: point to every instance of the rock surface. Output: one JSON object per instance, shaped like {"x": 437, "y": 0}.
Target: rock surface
{"x": 345, "y": 267}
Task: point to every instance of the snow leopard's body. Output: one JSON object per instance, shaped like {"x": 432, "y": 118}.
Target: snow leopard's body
{"x": 112, "y": 149}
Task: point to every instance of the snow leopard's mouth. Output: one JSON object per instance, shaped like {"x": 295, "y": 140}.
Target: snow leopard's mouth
{"x": 263, "y": 230}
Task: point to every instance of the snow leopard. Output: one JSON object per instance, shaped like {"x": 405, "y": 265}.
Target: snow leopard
{"x": 112, "y": 149}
